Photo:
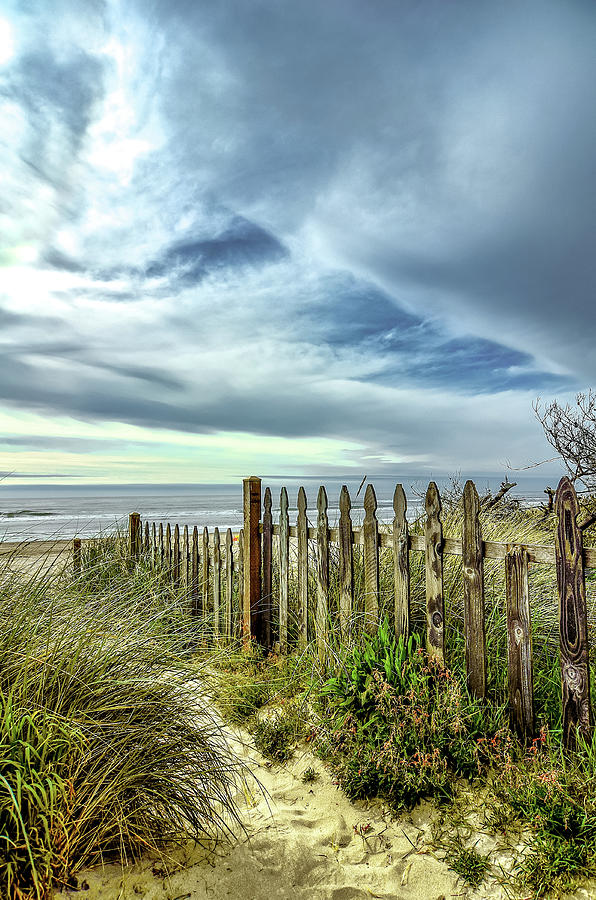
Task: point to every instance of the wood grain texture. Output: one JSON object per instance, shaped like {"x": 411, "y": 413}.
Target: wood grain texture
{"x": 575, "y": 670}
{"x": 253, "y": 620}
{"x": 519, "y": 642}
{"x": 433, "y": 544}
{"x": 401, "y": 564}
{"x": 205, "y": 575}
{"x": 322, "y": 609}
{"x": 194, "y": 573}
{"x": 216, "y": 584}
{"x": 346, "y": 564}
{"x": 370, "y": 542}
{"x": 154, "y": 544}
{"x": 176, "y": 557}
{"x": 302, "y": 569}
{"x": 267, "y": 585}
{"x": 473, "y": 584}
{"x": 162, "y": 549}
{"x": 284, "y": 569}
{"x": 146, "y": 544}
{"x": 227, "y": 613}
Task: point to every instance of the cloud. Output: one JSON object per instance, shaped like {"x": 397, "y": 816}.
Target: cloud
{"x": 302, "y": 220}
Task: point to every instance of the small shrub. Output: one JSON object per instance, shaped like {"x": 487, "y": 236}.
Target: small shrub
{"x": 274, "y": 738}
{"x": 309, "y": 775}
{"x": 401, "y": 725}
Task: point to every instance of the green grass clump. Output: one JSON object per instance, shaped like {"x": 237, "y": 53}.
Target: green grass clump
{"x": 471, "y": 865}
{"x": 108, "y": 744}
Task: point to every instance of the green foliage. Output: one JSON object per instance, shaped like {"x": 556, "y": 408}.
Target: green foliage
{"x": 309, "y": 776}
{"x": 553, "y": 796}
{"x": 108, "y": 745}
{"x": 275, "y": 737}
{"x": 400, "y": 725}
{"x": 469, "y": 864}
{"x": 38, "y": 757}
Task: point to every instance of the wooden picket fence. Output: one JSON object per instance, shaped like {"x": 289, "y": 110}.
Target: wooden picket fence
{"x": 235, "y": 579}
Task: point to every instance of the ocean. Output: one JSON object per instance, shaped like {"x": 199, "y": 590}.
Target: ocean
{"x": 43, "y": 511}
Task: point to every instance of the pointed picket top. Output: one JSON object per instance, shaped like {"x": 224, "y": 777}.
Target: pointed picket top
{"x": 400, "y": 504}
{"x": 345, "y": 503}
{"x": 283, "y": 501}
{"x": 432, "y": 500}
{"x": 302, "y": 500}
{"x": 322, "y": 502}
{"x": 267, "y": 501}
{"x": 370, "y": 501}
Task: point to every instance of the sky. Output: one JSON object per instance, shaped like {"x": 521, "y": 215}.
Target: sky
{"x": 276, "y": 237}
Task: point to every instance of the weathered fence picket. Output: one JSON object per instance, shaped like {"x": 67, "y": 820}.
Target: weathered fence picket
{"x": 227, "y": 629}
{"x": 302, "y": 569}
{"x": 473, "y": 584}
{"x": 573, "y": 618}
{"x": 322, "y": 607}
{"x": 284, "y": 570}
{"x": 519, "y": 641}
{"x": 401, "y": 564}
{"x": 216, "y": 583}
{"x": 435, "y": 607}
{"x": 370, "y": 541}
{"x": 346, "y": 564}
{"x": 267, "y": 553}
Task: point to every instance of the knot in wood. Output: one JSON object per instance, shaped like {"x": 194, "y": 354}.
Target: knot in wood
{"x": 518, "y": 633}
{"x": 574, "y": 678}
{"x": 437, "y": 620}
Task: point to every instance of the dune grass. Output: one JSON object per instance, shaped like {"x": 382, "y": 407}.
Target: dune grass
{"x": 109, "y": 745}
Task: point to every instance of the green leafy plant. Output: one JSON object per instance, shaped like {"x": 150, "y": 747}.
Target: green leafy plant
{"x": 471, "y": 865}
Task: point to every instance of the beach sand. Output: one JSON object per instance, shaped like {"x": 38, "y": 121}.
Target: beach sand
{"x": 305, "y": 841}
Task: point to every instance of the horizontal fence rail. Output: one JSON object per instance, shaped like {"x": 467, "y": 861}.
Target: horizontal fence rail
{"x": 272, "y": 584}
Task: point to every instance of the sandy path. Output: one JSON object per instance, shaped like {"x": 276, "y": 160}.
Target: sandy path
{"x": 305, "y": 841}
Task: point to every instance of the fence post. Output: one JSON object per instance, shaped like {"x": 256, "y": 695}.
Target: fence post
{"x": 433, "y": 551}
{"x": 401, "y": 565}
{"x": 252, "y": 613}
{"x": 216, "y": 584}
{"x": 76, "y": 557}
{"x": 473, "y": 579}
{"x": 134, "y": 536}
{"x": 573, "y": 620}
{"x": 267, "y": 586}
